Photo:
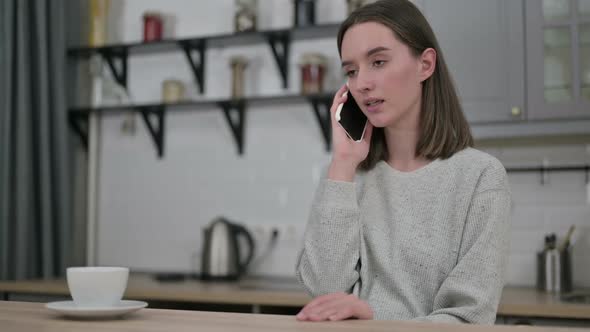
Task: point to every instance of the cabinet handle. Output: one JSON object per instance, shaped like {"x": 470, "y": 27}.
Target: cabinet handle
{"x": 516, "y": 112}
{"x": 523, "y": 322}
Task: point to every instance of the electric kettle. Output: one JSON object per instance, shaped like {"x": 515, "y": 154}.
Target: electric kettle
{"x": 223, "y": 258}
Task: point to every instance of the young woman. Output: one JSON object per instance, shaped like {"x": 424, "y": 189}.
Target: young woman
{"x": 411, "y": 222}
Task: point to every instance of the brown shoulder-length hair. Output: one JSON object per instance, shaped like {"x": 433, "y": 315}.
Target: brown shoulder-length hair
{"x": 443, "y": 127}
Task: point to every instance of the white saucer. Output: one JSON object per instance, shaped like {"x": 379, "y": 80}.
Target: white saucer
{"x": 69, "y": 308}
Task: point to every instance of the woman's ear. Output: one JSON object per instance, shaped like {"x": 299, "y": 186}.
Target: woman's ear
{"x": 427, "y": 64}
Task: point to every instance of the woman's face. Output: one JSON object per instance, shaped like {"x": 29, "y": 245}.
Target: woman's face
{"x": 384, "y": 77}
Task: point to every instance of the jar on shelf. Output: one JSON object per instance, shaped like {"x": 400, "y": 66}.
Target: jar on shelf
{"x": 99, "y": 10}
{"x": 304, "y": 13}
{"x": 153, "y": 24}
{"x": 238, "y": 66}
{"x": 353, "y": 5}
{"x": 172, "y": 91}
{"x": 245, "y": 17}
{"x": 313, "y": 71}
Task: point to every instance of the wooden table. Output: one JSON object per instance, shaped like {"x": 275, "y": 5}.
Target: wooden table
{"x": 515, "y": 302}
{"x": 22, "y": 316}
{"x": 261, "y": 292}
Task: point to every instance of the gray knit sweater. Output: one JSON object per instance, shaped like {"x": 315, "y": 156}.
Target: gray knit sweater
{"x": 427, "y": 245}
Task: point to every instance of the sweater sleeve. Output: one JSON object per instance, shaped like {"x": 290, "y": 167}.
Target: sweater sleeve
{"x": 329, "y": 259}
{"x": 471, "y": 292}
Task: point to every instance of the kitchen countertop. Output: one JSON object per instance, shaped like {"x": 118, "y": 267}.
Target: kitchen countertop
{"x": 22, "y": 316}
{"x": 516, "y": 301}
{"x": 529, "y": 302}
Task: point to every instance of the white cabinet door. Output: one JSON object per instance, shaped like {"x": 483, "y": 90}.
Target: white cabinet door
{"x": 540, "y": 321}
{"x": 483, "y": 45}
{"x": 558, "y": 58}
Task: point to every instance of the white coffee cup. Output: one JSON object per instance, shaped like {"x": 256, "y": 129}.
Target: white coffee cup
{"x": 97, "y": 286}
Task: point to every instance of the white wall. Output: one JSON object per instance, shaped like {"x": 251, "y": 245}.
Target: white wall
{"x": 151, "y": 211}
{"x": 539, "y": 209}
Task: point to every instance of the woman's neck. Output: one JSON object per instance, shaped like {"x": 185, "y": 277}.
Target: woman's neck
{"x": 402, "y": 140}
{"x": 401, "y": 145}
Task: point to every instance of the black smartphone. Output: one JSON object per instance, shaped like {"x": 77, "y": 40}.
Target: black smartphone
{"x": 350, "y": 116}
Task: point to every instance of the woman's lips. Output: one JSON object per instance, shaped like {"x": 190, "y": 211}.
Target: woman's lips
{"x": 374, "y": 106}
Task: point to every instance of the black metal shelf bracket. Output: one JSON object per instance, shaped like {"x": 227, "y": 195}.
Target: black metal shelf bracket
{"x": 544, "y": 171}
{"x": 79, "y": 123}
{"x": 321, "y": 108}
{"x": 280, "y": 43}
{"x": 111, "y": 56}
{"x": 197, "y": 65}
{"x": 234, "y": 112}
{"x": 157, "y": 133}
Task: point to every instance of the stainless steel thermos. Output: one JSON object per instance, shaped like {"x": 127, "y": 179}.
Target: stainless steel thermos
{"x": 554, "y": 268}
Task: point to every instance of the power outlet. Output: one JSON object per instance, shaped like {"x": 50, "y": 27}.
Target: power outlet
{"x": 276, "y": 258}
{"x": 286, "y": 234}
{"x": 290, "y": 235}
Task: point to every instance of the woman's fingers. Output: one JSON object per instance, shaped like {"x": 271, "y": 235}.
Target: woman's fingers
{"x": 338, "y": 95}
{"x": 342, "y": 314}
{"x": 336, "y": 306}
{"x": 339, "y": 98}
{"x": 339, "y": 309}
{"x": 322, "y": 311}
{"x": 322, "y": 315}
{"x": 350, "y": 307}
{"x": 316, "y": 304}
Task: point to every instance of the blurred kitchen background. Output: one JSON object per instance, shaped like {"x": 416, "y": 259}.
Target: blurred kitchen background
{"x": 522, "y": 68}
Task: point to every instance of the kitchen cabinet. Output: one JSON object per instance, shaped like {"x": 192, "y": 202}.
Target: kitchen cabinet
{"x": 540, "y": 321}
{"x": 558, "y": 58}
{"x": 483, "y": 45}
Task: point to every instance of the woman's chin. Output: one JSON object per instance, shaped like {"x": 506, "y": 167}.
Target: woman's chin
{"x": 377, "y": 123}
{"x": 383, "y": 120}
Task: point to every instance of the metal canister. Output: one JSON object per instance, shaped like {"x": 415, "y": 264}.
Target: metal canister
{"x": 554, "y": 271}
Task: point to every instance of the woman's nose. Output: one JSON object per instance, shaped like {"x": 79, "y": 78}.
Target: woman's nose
{"x": 364, "y": 82}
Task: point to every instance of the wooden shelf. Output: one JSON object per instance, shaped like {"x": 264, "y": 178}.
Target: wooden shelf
{"x": 194, "y": 48}
{"x": 221, "y": 40}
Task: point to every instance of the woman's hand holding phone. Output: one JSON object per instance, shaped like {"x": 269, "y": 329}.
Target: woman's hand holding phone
{"x": 346, "y": 153}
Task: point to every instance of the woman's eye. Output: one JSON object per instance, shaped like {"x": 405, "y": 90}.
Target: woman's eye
{"x": 350, "y": 73}
{"x": 378, "y": 63}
